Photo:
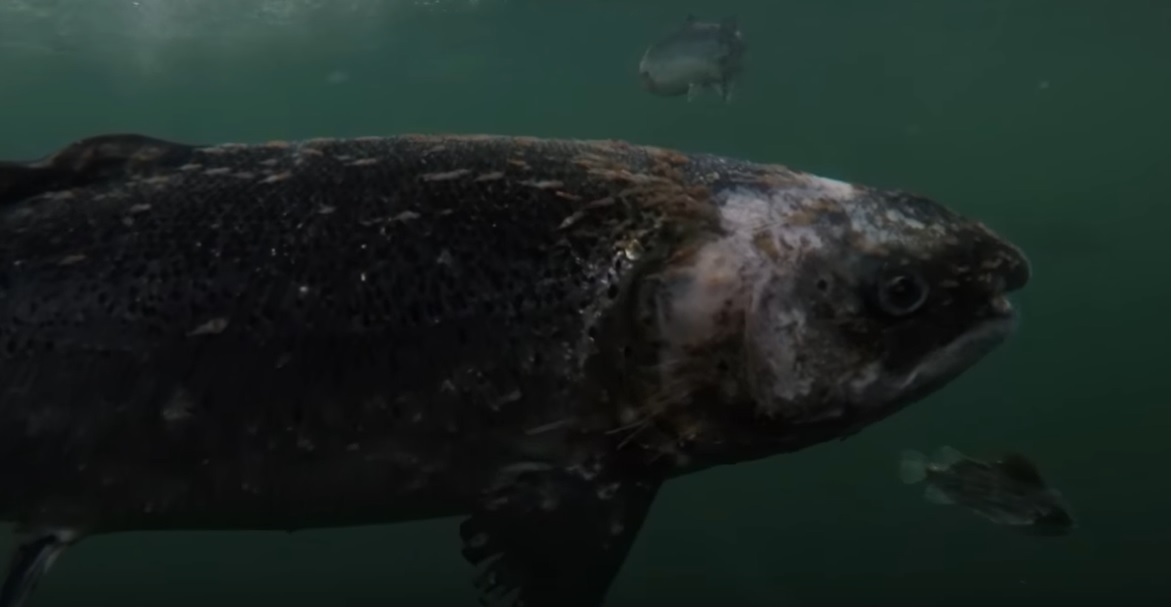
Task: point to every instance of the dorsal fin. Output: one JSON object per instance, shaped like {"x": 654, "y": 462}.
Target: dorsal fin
{"x": 690, "y": 18}
{"x": 88, "y": 161}
{"x": 1019, "y": 468}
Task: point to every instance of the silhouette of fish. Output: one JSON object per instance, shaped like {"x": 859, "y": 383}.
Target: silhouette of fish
{"x": 1007, "y": 491}
{"x": 696, "y": 57}
{"x": 533, "y": 334}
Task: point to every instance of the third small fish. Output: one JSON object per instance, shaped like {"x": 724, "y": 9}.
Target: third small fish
{"x": 1007, "y": 491}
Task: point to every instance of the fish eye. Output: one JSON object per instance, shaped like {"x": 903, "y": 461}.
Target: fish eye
{"x": 902, "y": 292}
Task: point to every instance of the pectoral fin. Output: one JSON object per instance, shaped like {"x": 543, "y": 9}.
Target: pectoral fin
{"x": 555, "y": 538}
{"x": 32, "y": 557}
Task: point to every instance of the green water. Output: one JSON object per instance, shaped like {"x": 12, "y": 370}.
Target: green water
{"x": 1047, "y": 119}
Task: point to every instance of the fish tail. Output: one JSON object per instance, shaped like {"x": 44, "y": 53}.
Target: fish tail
{"x": 912, "y": 467}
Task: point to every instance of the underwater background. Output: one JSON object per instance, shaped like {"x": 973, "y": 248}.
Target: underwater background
{"x": 1047, "y": 119}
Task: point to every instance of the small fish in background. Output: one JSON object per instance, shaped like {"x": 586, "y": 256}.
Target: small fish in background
{"x": 698, "y": 56}
{"x": 1008, "y": 491}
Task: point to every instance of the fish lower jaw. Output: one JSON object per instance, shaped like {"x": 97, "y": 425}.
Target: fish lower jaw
{"x": 936, "y": 371}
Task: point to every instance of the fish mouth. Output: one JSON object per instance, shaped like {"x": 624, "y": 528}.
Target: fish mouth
{"x": 941, "y": 367}
{"x": 938, "y": 370}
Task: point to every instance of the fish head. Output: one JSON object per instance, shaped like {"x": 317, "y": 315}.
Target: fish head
{"x": 838, "y": 305}
{"x": 865, "y": 300}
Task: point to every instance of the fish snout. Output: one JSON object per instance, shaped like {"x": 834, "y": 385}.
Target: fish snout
{"x": 1002, "y": 268}
{"x": 1012, "y": 270}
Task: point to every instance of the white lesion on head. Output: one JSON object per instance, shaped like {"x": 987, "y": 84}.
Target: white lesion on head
{"x": 788, "y": 215}
{"x": 792, "y": 214}
{"x": 709, "y": 295}
{"x": 724, "y": 269}
{"x": 743, "y": 284}
{"x": 699, "y": 303}
{"x": 832, "y": 188}
{"x": 697, "y": 295}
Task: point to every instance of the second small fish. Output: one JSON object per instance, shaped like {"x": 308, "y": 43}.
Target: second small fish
{"x": 697, "y": 56}
{"x": 1008, "y": 491}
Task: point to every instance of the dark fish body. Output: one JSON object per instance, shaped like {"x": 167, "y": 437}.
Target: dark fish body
{"x": 1007, "y": 491}
{"x": 535, "y": 334}
{"x": 697, "y": 56}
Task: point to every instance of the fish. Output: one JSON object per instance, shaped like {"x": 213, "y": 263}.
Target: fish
{"x": 533, "y": 335}
{"x": 1008, "y": 491}
{"x": 697, "y": 56}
